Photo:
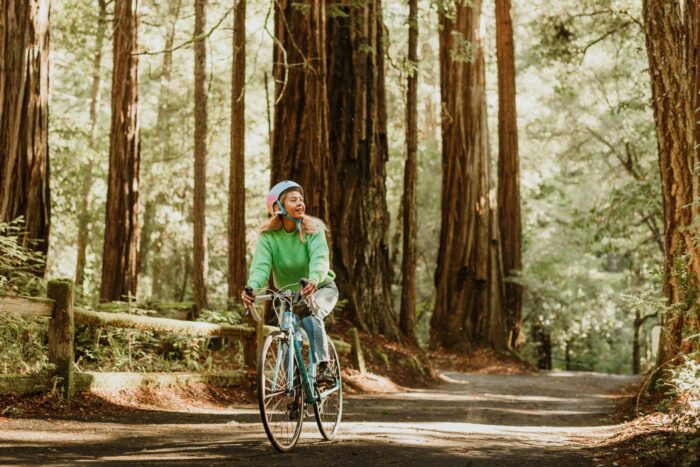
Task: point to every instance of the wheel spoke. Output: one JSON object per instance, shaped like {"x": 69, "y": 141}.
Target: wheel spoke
{"x": 275, "y": 400}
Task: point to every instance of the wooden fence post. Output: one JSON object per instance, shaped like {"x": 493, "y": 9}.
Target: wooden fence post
{"x": 358, "y": 356}
{"x": 61, "y": 332}
{"x": 253, "y": 344}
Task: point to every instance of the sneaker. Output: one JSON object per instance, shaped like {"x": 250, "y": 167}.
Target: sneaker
{"x": 324, "y": 375}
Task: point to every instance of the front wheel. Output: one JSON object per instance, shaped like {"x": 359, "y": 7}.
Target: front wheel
{"x": 281, "y": 404}
{"x": 328, "y": 408}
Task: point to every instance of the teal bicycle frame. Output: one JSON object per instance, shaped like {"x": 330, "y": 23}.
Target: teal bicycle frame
{"x": 291, "y": 324}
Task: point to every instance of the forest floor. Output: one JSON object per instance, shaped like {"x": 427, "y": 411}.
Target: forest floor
{"x": 548, "y": 418}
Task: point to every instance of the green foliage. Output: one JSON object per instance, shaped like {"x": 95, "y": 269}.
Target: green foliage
{"x": 24, "y": 339}
{"x": 681, "y": 388}
{"x": 463, "y": 50}
{"x": 303, "y": 8}
{"x": 113, "y": 349}
{"x": 21, "y": 267}
{"x": 24, "y": 345}
{"x": 336, "y": 10}
{"x": 593, "y": 235}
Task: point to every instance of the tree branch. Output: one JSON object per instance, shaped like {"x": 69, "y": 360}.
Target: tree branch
{"x": 194, "y": 39}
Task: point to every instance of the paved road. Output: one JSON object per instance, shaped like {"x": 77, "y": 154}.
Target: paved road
{"x": 474, "y": 420}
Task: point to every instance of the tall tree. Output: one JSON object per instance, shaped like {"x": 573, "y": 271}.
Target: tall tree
{"x": 508, "y": 167}
{"x": 359, "y": 152}
{"x": 300, "y": 131}
{"x": 200, "y": 263}
{"x": 154, "y": 198}
{"x": 119, "y": 257}
{"x": 469, "y": 307}
{"x": 670, "y": 43}
{"x": 236, "y": 197}
{"x": 84, "y": 213}
{"x": 407, "y": 317}
{"x": 24, "y": 112}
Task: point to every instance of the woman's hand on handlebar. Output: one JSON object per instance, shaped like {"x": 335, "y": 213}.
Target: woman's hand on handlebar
{"x": 308, "y": 288}
{"x": 248, "y": 296}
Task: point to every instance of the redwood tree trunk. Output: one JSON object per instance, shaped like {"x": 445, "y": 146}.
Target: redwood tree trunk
{"x": 85, "y": 210}
{"x": 673, "y": 92}
{"x": 200, "y": 264}
{"x": 119, "y": 258}
{"x": 407, "y": 318}
{"x": 300, "y": 133}
{"x": 236, "y": 201}
{"x": 163, "y": 139}
{"x": 359, "y": 152}
{"x": 24, "y": 112}
{"x": 508, "y": 167}
{"x": 469, "y": 308}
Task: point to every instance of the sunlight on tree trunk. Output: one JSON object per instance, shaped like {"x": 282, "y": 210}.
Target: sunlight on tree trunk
{"x": 24, "y": 112}
{"x": 84, "y": 213}
{"x": 199, "y": 207}
{"x": 469, "y": 309}
{"x": 407, "y": 318}
{"x": 508, "y": 167}
{"x": 153, "y": 197}
{"x": 236, "y": 202}
{"x": 668, "y": 35}
{"x": 119, "y": 258}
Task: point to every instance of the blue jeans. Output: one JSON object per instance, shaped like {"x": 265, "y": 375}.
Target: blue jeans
{"x": 326, "y": 297}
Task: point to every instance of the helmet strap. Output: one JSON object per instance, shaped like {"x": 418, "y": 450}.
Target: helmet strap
{"x": 284, "y": 212}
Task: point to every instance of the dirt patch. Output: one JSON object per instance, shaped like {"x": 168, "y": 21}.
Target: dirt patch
{"x": 370, "y": 383}
{"x": 482, "y": 361}
{"x": 403, "y": 365}
{"x": 192, "y": 396}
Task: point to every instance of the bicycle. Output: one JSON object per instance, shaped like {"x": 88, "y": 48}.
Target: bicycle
{"x": 285, "y": 383}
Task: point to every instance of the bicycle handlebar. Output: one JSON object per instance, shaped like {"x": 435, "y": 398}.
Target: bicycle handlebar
{"x": 286, "y": 295}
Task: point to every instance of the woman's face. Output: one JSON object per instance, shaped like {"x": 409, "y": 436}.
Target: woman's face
{"x": 293, "y": 203}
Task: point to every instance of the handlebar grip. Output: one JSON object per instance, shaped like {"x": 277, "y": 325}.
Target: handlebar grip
{"x": 304, "y": 283}
{"x": 248, "y": 291}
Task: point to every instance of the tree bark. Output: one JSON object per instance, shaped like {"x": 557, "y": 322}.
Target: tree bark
{"x": 407, "y": 318}
{"x": 119, "y": 258}
{"x": 358, "y": 145}
{"x": 24, "y": 112}
{"x": 469, "y": 309}
{"x": 673, "y": 92}
{"x": 636, "y": 343}
{"x": 508, "y": 168}
{"x": 200, "y": 263}
{"x": 85, "y": 205}
{"x": 236, "y": 202}
{"x": 542, "y": 338}
{"x": 300, "y": 131}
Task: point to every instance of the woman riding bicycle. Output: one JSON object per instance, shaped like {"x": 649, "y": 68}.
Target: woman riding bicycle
{"x": 293, "y": 246}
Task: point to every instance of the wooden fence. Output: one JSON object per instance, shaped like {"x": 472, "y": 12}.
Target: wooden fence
{"x": 63, "y": 315}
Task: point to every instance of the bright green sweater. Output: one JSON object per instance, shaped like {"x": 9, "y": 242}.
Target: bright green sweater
{"x": 290, "y": 260}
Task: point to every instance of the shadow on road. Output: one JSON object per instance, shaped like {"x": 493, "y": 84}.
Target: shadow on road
{"x": 545, "y": 419}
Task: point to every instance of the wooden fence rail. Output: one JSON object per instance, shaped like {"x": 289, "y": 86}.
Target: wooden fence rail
{"x": 63, "y": 316}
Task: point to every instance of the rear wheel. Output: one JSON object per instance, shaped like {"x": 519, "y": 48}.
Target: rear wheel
{"x": 329, "y": 409}
{"x": 281, "y": 409}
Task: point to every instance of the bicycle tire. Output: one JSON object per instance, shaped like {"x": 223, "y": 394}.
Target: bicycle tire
{"x": 276, "y": 406}
{"x": 329, "y": 411}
